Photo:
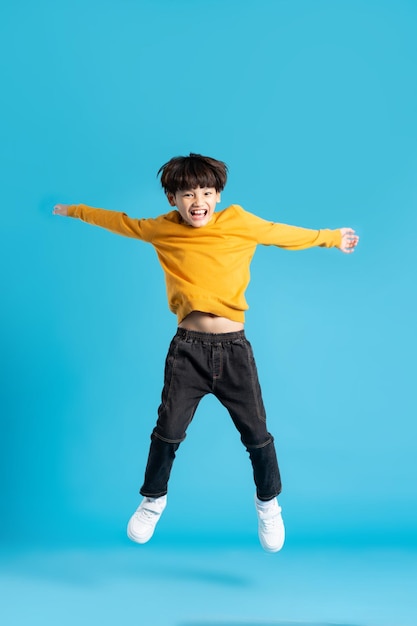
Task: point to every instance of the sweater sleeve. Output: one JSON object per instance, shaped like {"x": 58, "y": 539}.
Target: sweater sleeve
{"x": 114, "y": 221}
{"x": 291, "y": 237}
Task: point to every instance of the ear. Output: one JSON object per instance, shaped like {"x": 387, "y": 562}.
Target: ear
{"x": 171, "y": 199}
{"x": 219, "y": 197}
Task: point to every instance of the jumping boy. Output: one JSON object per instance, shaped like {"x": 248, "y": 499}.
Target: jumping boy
{"x": 206, "y": 257}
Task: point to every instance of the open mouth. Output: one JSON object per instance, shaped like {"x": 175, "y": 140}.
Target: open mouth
{"x": 198, "y": 213}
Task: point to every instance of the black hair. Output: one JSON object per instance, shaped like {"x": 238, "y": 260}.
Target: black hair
{"x": 192, "y": 171}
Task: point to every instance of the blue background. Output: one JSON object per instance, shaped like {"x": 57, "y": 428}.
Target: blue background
{"x": 313, "y": 104}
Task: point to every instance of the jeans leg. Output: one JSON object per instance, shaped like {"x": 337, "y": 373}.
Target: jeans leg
{"x": 158, "y": 468}
{"x": 183, "y": 389}
{"x": 239, "y": 391}
{"x": 266, "y": 472}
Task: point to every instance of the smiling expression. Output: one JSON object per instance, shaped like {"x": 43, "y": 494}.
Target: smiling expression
{"x": 196, "y": 206}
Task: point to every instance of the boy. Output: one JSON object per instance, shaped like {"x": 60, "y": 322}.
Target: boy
{"x": 206, "y": 257}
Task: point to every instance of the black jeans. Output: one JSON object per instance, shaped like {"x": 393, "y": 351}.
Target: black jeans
{"x": 223, "y": 365}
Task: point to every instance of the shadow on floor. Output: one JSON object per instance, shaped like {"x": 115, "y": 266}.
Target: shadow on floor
{"x": 82, "y": 568}
{"x": 261, "y": 623}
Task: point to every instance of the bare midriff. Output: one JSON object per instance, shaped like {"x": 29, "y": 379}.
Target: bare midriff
{"x": 209, "y": 323}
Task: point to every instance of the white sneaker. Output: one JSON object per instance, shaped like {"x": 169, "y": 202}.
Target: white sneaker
{"x": 271, "y": 529}
{"x": 142, "y": 524}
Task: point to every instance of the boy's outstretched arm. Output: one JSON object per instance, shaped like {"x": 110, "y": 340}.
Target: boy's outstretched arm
{"x": 349, "y": 240}
{"x": 114, "y": 221}
{"x": 60, "y": 209}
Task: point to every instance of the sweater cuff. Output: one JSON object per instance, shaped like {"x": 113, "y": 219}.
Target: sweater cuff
{"x": 338, "y": 238}
{"x": 72, "y": 210}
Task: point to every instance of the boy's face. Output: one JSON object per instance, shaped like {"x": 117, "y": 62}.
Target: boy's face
{"x": 196, "y": 206}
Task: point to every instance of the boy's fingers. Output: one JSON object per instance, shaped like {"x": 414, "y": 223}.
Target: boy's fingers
{"x": 60, "y": 209}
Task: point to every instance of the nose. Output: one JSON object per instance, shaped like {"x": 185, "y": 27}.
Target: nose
{"x": 198, "y": 200}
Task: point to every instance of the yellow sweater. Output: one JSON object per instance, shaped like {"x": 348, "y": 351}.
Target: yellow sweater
{"x": 207, "y": 268}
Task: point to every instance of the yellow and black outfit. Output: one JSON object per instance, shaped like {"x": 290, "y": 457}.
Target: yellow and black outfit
{"x": 207, "y": 269}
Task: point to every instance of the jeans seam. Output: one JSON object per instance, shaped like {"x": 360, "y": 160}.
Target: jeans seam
{"x": 174, "y": 361}
{"x": 253, "y": 379}
{"x": 260, "y": 445}
{"x": 165, "y": 440}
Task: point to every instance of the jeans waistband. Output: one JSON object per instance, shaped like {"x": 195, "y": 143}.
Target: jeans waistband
{"x": 193, "y": 335}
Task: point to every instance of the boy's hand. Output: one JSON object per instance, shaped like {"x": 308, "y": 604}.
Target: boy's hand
{"x": 60, "y": 209}
{"x": 349, "y": 240}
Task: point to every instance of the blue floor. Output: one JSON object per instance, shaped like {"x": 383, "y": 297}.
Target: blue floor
{"x": 211, "y": 586}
